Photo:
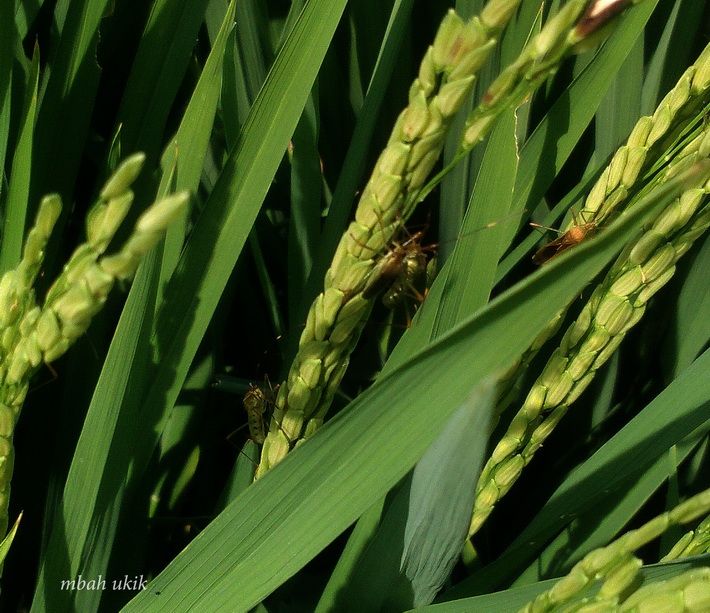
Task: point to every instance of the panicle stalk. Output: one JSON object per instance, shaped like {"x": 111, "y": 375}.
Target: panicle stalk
{"x": 615, "y": 306}
{"x": 611, "y": 573}
{"x": 624, "y": 178}
{"x": 647, "y": 141}
{"x": 31, "y": 334}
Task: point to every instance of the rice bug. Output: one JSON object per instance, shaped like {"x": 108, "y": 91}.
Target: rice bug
{"x": 259, "y": 402}
{"x": 574, "y": 236}
{"x": 407, "y": 270}
{"x": 416, "y": 275}
{"x": 412, "y": 280}
{"x": 401, "y": 269}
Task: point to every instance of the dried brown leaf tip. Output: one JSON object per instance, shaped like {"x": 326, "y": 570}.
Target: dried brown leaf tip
{"x": 597, "y": 14}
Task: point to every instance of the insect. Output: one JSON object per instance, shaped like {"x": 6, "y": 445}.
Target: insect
{"x": 259, "y": 402}
{"x": 407, "y": 269}
{"x": 417, "y": 273}
{"x": 402, "y": 272}
{"x": 575, "y": 235}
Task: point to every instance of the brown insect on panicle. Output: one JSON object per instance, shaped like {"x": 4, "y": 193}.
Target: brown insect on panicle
{"x": 572, "y": 237}
{"x": 408, "y": 268}
{"x": 412, "y": 280}
{"x": 258, "y": 402}
{"x": 399, "y": 270}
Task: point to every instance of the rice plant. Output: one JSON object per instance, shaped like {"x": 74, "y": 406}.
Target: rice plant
{"x": 367, "y": 306}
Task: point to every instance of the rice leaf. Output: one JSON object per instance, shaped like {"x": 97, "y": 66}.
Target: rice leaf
{"x": 306, "y": 187}
{"x": 440, "y": 501}
{"x": 621, "y": 107}
{"x": 67, "y": 97}
{"x": 344, "y": 579}
{"x": 242, "y": 475}
{"x": 7, "y": 44}
{"x": 186, "y": 151}
{"x": 376, "y": 581}
{"x": 158, "y": 69}
{"x": 16, "y": 206}
{"x": 692, "y": 321}
{"x": 6, "y": 543}
{"x": 25, "y": 13}
{"x": 485, "y": 232}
